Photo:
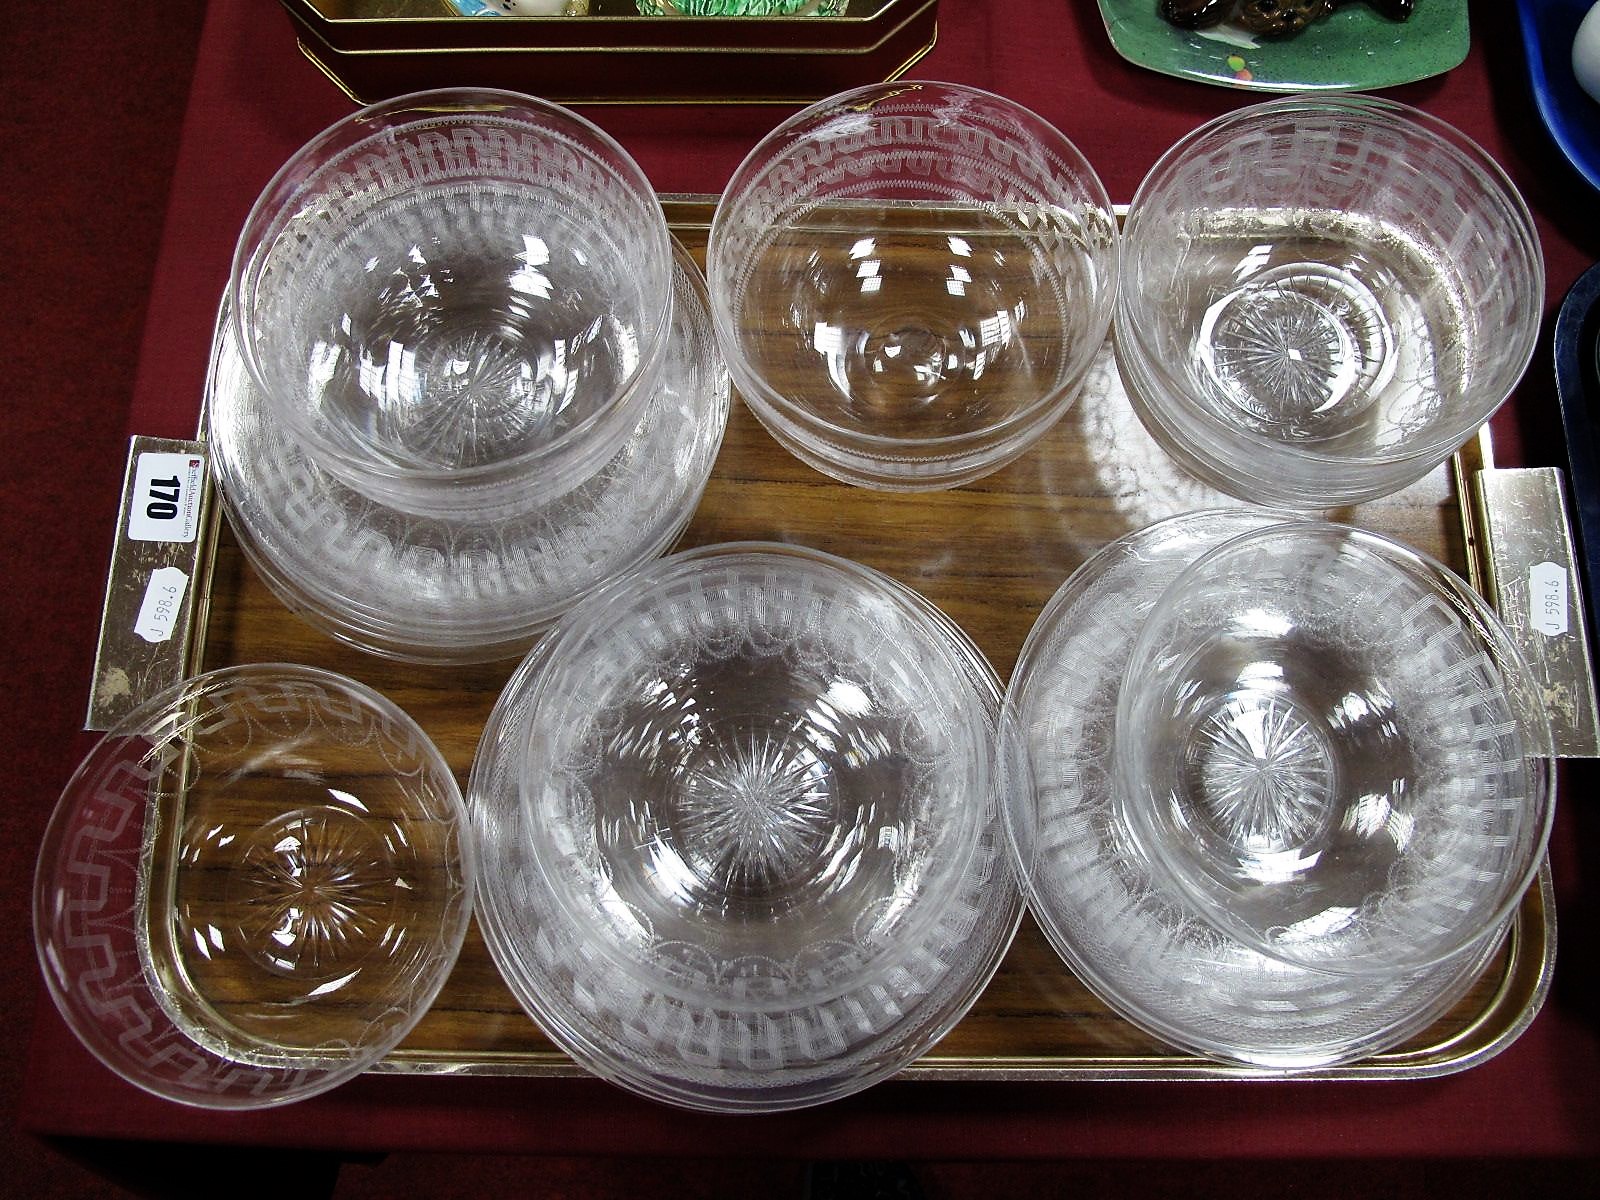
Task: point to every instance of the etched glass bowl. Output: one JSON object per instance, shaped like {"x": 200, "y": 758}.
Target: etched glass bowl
{"x": 456, "y": 299}
{"x": 741, "y": 836}
{"x": 1323, "y": 297}
{"x": 253, "y": 887}
{"x": 466, "y": 588}
{"x": 1146, "y": 948}
{"x": 910, "y": 282}
{"x": 1332, "y": 745}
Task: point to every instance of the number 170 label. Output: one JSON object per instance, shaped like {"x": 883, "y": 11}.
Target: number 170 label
{"x": 166, "y": 497}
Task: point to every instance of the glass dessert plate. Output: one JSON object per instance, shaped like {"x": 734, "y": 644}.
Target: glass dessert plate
{"x": 253, "y": 887}
{"x": 1320, "y": 298}
{"x": 911, "y": 281}
{"x": 456, "y": 590}
{"x": 741, "y": 846}
{"x": 457, "y": 299}
{"x": 1139, "y": 944}
{"x": 1333, "y": 748}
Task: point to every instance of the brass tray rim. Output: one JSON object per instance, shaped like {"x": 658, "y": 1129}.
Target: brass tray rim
{"x": 313, "y": 11}
{"x": 444, "y": 51}
{"x": 1430, "y": 1062}
{"x": 756, "y": 49}
{"x": 315, "y": 57}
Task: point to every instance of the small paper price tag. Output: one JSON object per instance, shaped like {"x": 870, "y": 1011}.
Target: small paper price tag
{"x": 1547, "y": 598}
{"x": 165, "y": 504}
{"x": 162, "y": 604}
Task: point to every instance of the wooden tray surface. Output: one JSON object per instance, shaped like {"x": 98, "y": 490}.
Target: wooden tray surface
{"x": 990, "y": 555}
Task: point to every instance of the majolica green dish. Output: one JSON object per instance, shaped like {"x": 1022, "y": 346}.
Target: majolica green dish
{"x": 1355, "y": 48}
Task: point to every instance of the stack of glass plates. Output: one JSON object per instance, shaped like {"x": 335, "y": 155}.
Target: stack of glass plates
{"x": 461, "y": 589}
{"x": 741, "y": 844}
{"x": 1144, "y": 947}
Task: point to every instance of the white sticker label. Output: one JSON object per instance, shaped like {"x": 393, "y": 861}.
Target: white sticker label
{"x": 166, "y": 497}
{"x": 163, "y": 601}
{"x": 1547, "y": 598}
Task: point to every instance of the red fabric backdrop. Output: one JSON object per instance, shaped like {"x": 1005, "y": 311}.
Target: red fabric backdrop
{"x": 254, "y": 100}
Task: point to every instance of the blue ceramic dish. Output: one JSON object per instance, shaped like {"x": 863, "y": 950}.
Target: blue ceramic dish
{"x": 1571, "y": 116}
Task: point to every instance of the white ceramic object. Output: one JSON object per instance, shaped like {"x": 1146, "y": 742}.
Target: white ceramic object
{"x": 1586, "y": 53}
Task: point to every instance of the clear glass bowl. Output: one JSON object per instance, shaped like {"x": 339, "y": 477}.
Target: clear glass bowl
{"x": 741, "y": 837}
{"x": 1145, "y": 947}
{"x": 1332, "y": 745}
{"x": 466, "y": 589}
{"x": 253, "y": 887}
{"x": 456, "y": 300}
{"x": 1323, "y": 297}
{"x": 910, "y": 282}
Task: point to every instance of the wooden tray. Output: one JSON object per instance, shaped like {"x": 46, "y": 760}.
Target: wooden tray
{"x": 990, "y": 555}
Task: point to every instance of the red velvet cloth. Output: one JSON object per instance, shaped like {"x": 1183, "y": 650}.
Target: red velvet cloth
{"x": 255, "y": 100}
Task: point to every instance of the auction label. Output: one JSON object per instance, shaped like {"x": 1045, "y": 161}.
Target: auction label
{"x": 165, "y": 505}
{"x": 163, "y": 601}
{"x": 1547, "y": 598}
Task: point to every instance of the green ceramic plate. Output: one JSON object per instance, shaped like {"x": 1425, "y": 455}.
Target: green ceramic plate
{"x": 1353, "y": 49}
